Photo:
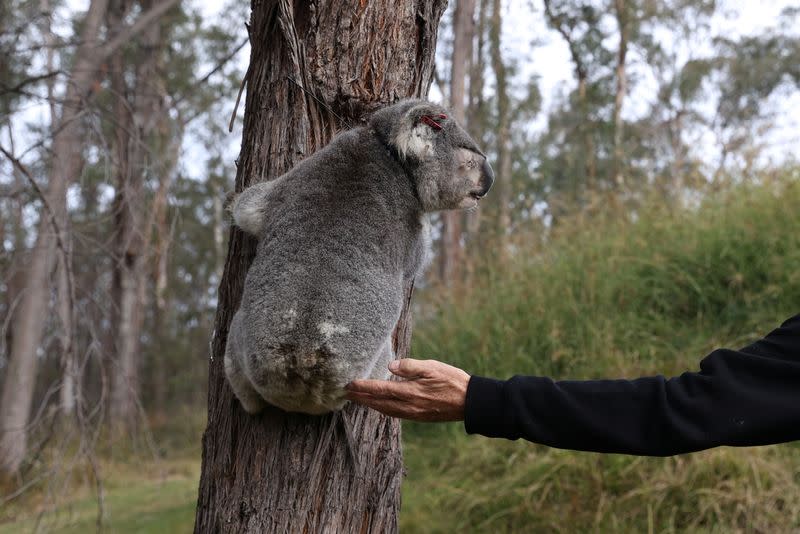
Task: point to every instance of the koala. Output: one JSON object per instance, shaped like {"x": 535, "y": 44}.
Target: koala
{"x": 339, "y": 238}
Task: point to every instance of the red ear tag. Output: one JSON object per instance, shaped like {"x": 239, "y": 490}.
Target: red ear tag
{"x": 427, "y": 119}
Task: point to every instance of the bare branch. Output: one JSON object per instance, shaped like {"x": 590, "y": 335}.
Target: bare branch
{"x": 28, "y": 81}
{"x": 24, "y": 170}
{"x": 144, "y": 20}
{"x": 213, "y": 71}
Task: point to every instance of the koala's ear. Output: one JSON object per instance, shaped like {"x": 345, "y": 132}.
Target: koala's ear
{"x": 414, "y": 136}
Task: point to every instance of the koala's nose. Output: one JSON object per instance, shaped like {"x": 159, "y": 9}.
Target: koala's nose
{"x": 487, "y": 177}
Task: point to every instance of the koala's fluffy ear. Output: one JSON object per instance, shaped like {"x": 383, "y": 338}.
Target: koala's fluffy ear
{"x": 414, "y": 136}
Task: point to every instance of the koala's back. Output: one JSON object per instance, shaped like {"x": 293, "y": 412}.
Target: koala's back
{"x": 340, "y": 238}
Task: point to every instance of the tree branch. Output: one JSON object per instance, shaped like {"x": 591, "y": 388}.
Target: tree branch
{"x": 33, "y": 79}
{"x": 144, "y": 20}
{"x": 221, "y": 63}
{"x": 52, "y": 216}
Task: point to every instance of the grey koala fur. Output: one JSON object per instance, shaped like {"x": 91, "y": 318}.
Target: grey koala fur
{"x": 340, "y": 237}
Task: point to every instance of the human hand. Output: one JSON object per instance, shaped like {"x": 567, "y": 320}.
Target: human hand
{"x": 430, "y": 391}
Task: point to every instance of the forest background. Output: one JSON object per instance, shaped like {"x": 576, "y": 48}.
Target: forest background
{"x": 645, "y": 213}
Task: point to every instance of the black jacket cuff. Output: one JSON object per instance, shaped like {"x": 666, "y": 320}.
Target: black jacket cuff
{"x": 484, "y": 411}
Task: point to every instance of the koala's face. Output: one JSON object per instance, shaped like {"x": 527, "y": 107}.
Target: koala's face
{"x": 450, "y": 170}
{"x": 471, "y": 179}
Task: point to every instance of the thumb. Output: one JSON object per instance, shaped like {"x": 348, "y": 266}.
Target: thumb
{"x": 409, "y": 368}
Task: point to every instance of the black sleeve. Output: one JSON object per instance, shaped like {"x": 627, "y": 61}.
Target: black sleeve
{"x": 745, "y": 397}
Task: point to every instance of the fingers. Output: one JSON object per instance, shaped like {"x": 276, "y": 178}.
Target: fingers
{"x": 390, "y": 397}
{"x": 388, "y": 406}
{"x": 380, "y": 388}
{"x": 411, "y": 368}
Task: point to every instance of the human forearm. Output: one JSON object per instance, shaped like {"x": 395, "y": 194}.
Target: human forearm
{"x": 738, "y": 398}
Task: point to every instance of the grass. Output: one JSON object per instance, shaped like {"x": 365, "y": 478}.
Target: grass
{"x": 144, "y": 490}
{"x": 458, "y": 484}
{"x": 607, "y": 299}
{"x": 138, "y": 499}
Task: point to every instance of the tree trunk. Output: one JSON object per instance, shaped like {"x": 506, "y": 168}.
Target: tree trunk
{"x": 586, "y": 133}
{"x": 70, "y": 382}
{"x": 70, "y": 379}
{"x": 621, "y": 11}
{"x": 581, "y": 74}
{"x": 678, "y": 155}
{"x": 19, "y": 259}
{"x": 503, "y": 129}
{"x": 163, "y": 238}
{"x": 127, "y": 241}
{"x": 136, "y": 121}
{"x": 476, "y": 114}
{"x": 281, "y": 472}
{"x": 463, "y": 30}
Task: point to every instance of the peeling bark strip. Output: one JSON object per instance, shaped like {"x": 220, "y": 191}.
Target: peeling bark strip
{"x": 288, "y": 472}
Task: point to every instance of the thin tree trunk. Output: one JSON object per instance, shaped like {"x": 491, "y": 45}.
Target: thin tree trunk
{"x": 621, "y": 12}
{"x": 136, "y": 123}
{"x": 49, "y": 42}
{"x": 159, "y": 368}
{"x": 503, "y": 128}
{"x": 475, "y": 112}
{"x": 13, "y": 277}
{"x": 281, "y": 472}
{"x": 70, "y": 381}
{"x": 163, "y": 238}
{"x": 586, "y": 132}
{"x": 678, "y": 155}
{"x": 69, "y": 368}
{"x": 582, "y": 75}
{"x": 126, "y": 240}
{"x": 452, "y": 253}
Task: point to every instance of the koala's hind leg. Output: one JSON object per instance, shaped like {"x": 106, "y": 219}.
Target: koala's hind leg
{"x": 251, "y": 401}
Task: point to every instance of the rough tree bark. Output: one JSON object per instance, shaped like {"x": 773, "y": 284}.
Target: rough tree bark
{"x": 282, "y": 472}
{"x": 64, "y": 167}
{"x": 452, "y": 253}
